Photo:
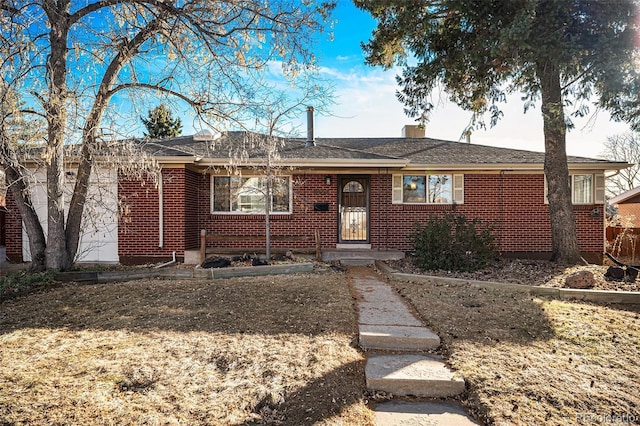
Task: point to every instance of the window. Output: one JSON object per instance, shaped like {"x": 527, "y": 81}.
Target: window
{"x": 582, "y": 189}
{"x": 428, "y": 189}
{"x": 585, "y": 188}
{"x": 240, "y": 194}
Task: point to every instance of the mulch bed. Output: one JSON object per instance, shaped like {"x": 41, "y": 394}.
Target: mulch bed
{"x": 523, "y": 271}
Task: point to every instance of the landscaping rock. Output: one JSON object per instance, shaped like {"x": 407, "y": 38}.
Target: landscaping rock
{"x": 614, "y": 273}
{"x": 259, "y": 262}
{"x": 580, "y": 279}
{"x": 216, "y": 262}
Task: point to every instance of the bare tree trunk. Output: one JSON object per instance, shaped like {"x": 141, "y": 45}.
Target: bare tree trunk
{"x": 564, "y": 242}
{"x": 57, "y": 256}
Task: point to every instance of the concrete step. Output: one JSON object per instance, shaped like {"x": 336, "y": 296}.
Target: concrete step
{"x": 393, "y": 312}
{"x": 412, "y": 375}
{"x": 397, "y": 413}
{"x": 329, "y": 255}
{"x": 357, "y": 262}
{"x": 396, "y": 337}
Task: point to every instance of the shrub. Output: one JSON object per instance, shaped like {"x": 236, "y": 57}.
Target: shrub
{"x": 23, "y": 282}
{"x": 454, "y": 243}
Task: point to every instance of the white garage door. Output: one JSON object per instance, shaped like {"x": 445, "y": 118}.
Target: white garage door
{"x": 99, "y": 229}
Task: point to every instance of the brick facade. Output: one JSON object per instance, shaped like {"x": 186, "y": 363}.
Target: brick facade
{"x": 13, "y": 230}
{"x": 630, "y": 211}
{"x": 514, "y": 203}
{"x": 307, "y": 190}
{"x": 138, "y": 223}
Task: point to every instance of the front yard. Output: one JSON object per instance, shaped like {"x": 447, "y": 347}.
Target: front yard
{"x": 239, "y": 351}
{"x": 530, "y": 361}
{"x": 282, "y": 350}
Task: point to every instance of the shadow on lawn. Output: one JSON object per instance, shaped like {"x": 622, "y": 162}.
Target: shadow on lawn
{"x": 478, "y": 315}
{"x": 308, "y": 305}
{"x": 320, "y": 399}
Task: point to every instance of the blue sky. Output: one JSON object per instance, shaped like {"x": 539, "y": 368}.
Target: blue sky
{"x": 366, "y": 105}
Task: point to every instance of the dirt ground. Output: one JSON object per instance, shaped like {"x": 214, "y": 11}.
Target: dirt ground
{"x": 277, "y": 350}
{"x": 282, "y": 350}
{"x": 527, "y": 272}
{"x": 531, "y": 361}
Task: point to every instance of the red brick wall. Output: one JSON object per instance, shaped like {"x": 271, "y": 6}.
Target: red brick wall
{"x": 513, "y": 203}
{"x": 138, "y": 229}
{"x": 192, "y": 230}
{"x": 630, "y": 210}
{"x": 307, "y": 190}
{"x": 13, "y": 230}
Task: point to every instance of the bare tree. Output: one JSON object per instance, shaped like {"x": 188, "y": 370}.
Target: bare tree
{"x": 74, "y": 63}
{"x": 261, "y": 149}
{"x": 623, "y": 147}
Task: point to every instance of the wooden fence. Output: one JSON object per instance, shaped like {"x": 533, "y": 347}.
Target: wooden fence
{"x": 313, "y": 244}
{"x": 623, "y": 242}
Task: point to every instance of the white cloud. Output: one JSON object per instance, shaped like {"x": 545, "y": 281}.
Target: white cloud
{"x": 366, "y": 106}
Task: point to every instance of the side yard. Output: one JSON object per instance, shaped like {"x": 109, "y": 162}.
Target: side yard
{"x": 240, "y": 351}
{"x": 531, "y": 361}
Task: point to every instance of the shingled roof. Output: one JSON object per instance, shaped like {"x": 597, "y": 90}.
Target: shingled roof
{"x": 422, "y": 152}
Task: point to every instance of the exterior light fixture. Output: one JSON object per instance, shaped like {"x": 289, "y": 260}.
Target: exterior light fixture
{"x": 327, "y": 180}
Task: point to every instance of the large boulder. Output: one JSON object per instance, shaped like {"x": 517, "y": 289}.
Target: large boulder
{"x": 580, "y": 279}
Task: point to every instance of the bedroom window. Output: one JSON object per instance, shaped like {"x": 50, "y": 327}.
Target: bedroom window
{"x": 582, "y": 189}
{"x": 428, "y": 189}
{"x": 585, "y": 188}
{"x": 247, "y": 194}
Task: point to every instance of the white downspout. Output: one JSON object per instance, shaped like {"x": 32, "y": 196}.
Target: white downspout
{"x": 168, "y": 263}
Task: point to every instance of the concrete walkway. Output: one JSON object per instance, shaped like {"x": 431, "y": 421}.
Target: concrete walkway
{"x": 398, "y": 358}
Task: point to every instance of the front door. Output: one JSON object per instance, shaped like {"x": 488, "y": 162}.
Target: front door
{"x": 354, "y": 209}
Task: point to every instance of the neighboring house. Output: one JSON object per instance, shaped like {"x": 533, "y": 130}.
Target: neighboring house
{"x": 628, "y": 204}
{"x": 358, "y": 192}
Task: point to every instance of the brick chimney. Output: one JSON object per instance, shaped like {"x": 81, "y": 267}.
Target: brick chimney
{"x": 412, "y": 131}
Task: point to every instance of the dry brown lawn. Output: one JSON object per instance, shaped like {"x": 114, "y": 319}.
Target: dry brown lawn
{"x": 276, "y": 350}
{"x": 530, "y": 361}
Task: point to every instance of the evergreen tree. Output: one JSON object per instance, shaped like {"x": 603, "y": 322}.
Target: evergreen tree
{"x": 160, "y": 123}
{"x": 560, "y": 53}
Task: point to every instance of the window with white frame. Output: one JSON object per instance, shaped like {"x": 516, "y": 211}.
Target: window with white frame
{"x": 582, "y": 189}
{"x": 586, "y": 188}
{"x": 428, "y": 189}
{"x": 247, "y": 194}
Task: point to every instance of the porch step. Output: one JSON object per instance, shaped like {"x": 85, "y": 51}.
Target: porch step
{"x": 412, "y": 375}
{"x": 397, "y": 413}
{"x": 397, "y": 337}
{"x": 357, "y": 262}
{"x": 346, "y": 255}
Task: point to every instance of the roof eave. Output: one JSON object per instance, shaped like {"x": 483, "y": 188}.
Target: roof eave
{"x": 514, "y": 166}
{"x": 625, "y": 196}
{"x": 301, "y": 163}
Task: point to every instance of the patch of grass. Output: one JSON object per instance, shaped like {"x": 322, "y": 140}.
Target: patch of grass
{"x": 534, "y": 361}
{"x": 23, "y": 282}
{"x": 199, "y": 352}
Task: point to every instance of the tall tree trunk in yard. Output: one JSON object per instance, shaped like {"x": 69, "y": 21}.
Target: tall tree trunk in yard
{"x": 56, "y": 252}
{"x": 564, "y": 242}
